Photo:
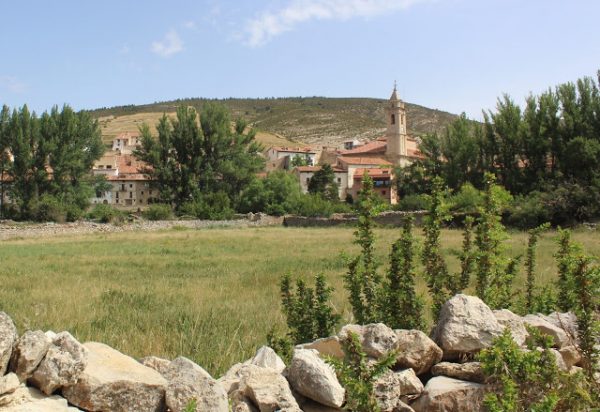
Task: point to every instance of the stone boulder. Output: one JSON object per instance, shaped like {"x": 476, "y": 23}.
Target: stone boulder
{"x": 466, "y": 325}
{"x": 450, "y": 395}
{"x": 112, "y": 381}
{"x": 231, "y": 379}
{"x": 28, "y": 353}
{"x": 268, "y": 390}
{"x": 377, "y": 339}
{"x": 469, "y": 371}
{"x": 189, "y": 381}
{"x": 267, "y": 358}
{"x": 160, "y": 365}
{"x": 416, "y": 350}
{"x": 392, "y": 389}
{"x": 8, "y": 337}
{"x": 312, "y": 406}
{"x": 240, "y": 403}
{"x": 558, "y": 335}
{"x": 329, "y": 346}
{"x": 566, "y": 321}
{"x": 63, "y": 364}
{"x": 514, "y": 323}
{"x": 9, "y": 383}
{"x": 571, "y": 356}
{"x": 28, "y": 399}
{"x": 312, "y": 377}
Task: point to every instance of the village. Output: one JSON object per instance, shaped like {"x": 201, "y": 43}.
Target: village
{"x": 131, "y": 189}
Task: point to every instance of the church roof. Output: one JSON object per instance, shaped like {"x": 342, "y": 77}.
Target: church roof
{"x": 376, "y": 146}
{"x": 366, "y": 160}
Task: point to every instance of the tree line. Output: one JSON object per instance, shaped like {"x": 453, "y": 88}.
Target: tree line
{"x": 46, "y": 162}
{"x": 546, "y": 154}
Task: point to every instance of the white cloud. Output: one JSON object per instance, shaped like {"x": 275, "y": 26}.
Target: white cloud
{"x": 269, "y": 24}
{"x": 191, "y": 25}
{"x": 170, "y": 45}
{"x": 12, "y": 84}
{"x": 124, "y": 49}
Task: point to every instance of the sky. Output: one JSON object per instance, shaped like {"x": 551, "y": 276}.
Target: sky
{"x": 452, "y": 55}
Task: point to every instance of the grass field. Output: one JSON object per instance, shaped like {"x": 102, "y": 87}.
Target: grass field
{"x": 211, "y": 294}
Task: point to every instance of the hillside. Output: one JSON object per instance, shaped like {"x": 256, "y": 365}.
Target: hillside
{"x": 297, "y": 120}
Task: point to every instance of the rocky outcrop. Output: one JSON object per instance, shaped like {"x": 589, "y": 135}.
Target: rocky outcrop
{"x": 62, "y": 366}
{"x": 112, "y": 381}
{"x": 8, "y": 337}
{"x": 469, "y": 371}
{"x": 312, "y": 377}
{"x": 29, "y": 352}
{"x": 416, "y": 350}
{"x": 188, "y": 381}
{"x": 465, "y": 325}
{"x": 450, "y": 395}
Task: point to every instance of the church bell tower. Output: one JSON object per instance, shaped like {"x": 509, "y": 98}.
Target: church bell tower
{"x": 396, "y": 129}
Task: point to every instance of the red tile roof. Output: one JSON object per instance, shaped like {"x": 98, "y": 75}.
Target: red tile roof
{"x": 308, "y": 169}
{"x": 376, "y": 146}
{"x": 358, "y": 174}
{"x": 294, "y": 149}
{"x": 364, "y": 161}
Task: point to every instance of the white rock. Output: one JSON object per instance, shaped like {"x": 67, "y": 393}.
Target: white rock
{"x": 450, "y": 395}
{"x": 312, "y": 377}
{"x": 565, "y": 321}
{"x": 63, "y": 364}
{"x": 571, "y": 356}
{"x": 115, "y": 382}
{"x": 514, "y": 323}
{"x": 377, "y": 339}
{"x": 28, "y": 399}
{"x": 469, "y": 371}
{"x": 267, "y": 389}
{"x": 466, "y": 325}
{"x": 395, "y": 388}
{"x": 8, "y": 337}
{"x": 558, "y": 335}
{"x": 28, "y": 353}
{"x": 267, "y": 358}
{"x": 416, "y": 350}
{"x": 329, "y": 346}
{"x": 231, "y": 379}
{"x": 189, "y": 381}
{"x": 9, "y": 383}
{"x": 240, "y": 403}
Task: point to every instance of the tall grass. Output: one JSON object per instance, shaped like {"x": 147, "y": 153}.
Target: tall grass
{"x": 210, "y": 295}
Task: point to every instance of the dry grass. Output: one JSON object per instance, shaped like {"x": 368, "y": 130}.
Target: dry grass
{"x": 211, "y": 295}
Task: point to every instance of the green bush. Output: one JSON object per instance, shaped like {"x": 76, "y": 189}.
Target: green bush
{"x": 105, "y": 213}
{"x": 49, "y": 209}
{"x": 211, "y": 206}
{"x": 527, "y": 212}
{"x": 158, "y": 211}
{"x": 414, "y": 202}
{"x": 317, "y": 206}
{"x": 466, "y": 200}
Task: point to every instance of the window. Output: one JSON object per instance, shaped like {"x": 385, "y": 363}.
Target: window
{"x": 150, "y": 193}
{"x": 108, "y": 166}
{"x": 307, "y": 180}
{"x": 130, "y": 185}
{"x": 339, "y": 180}
{"x": 393, "y": 119}
{"x": 131, "y": 195}
{"x": 383, "y": 192}
{"x": 117, "y": 193}
{"x": 142, "y": 193}
{"x": 122, "y": 187}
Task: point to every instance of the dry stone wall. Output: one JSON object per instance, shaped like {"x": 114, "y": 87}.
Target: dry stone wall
{"x": 47, "y": 371}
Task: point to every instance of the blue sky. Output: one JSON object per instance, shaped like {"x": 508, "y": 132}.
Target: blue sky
{"x": 454, "y": 55}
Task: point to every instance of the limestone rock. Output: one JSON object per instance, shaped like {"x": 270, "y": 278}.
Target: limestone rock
{"x": 267, "y": 358}
{"x": 28, "y": 353}
{"x": 160, "y": 365}
{"x": 230, "y": 381}
{"x": 312, "y": 377}
{"x": 240, "y": 403}
{"x": 450, "y": 395}
{"x": 8, "y": 337}
{"x": 267, "y": 389}
{"x": 9, "y": 383}
{"x": 469, "y": 371}
{"x": 416, "y": 350}
{"x": 115, "y": 382}
{"x": 63, "y": 364}
{"x": 312, "y": 406}
{"x": 565, "y": 321}
{"x": 514, "y": 323}
{"x": 558, "y": 335}
{"x": 28, "y": 399}
{"x": 560, "y": 363}
{"x": 189, "y": 381}
{"x": 394, "y": 388}
{"x": 329, "y": 346}
{"x": 571, "y": 356}
{"x": 466, "y": 325}
{"x": 376, "y": 338}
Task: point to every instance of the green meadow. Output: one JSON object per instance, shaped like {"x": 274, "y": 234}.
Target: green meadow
{"x": 211, "y": 295}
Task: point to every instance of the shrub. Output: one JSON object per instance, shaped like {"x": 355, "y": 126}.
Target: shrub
{"x": 466, "y": 200}
{"x": 357, "y": 375}
{"x": 411, "y": 203}
{"x": 527, "y": 212}
{"x": 49, "y": 209}
{"x": 105, "y": 213}
{"x": 317, "y": 206}
{"x": 158, "y": 211}
{"x": 211, "y": 206}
